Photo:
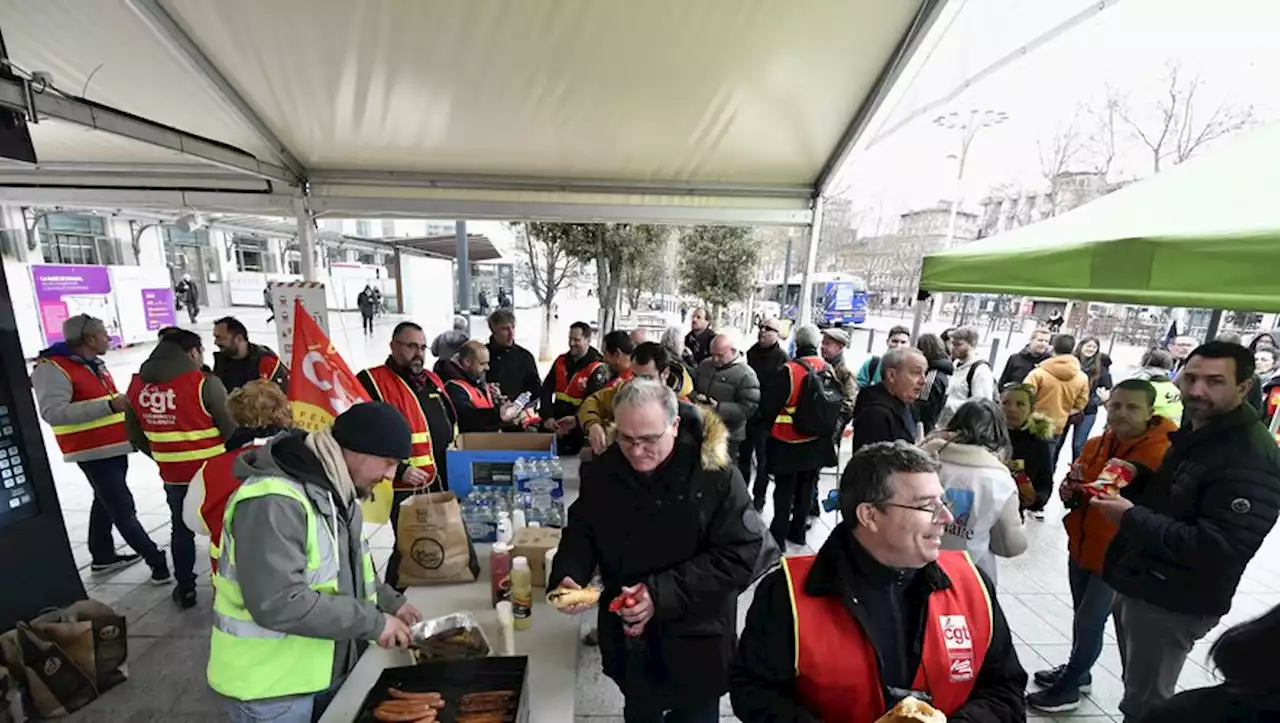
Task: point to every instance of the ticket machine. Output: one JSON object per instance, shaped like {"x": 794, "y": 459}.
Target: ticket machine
{"x": 37, "y": 569}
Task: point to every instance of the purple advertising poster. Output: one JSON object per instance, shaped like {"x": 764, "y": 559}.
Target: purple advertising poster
{"x": 157, "y": 304}
{"x": 64, "y": 291}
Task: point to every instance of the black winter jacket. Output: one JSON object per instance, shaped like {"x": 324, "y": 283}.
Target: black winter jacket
{"x": 514, "y": 370}
{"x": 698, "y": 344}
{"x": 878, "y": 416}
{"x": 1099, "y": 380}
{"x": 689, "y": 533}
{"x": 934, "y": 395}
{"x": 766, "y": 361}
{"x": 236, "y": 373}
{"x": 784, "y": 457}
{"x": 762, "y": 678}
{"x": 1020, "y": 365}
{"x": 1201, "y": 518}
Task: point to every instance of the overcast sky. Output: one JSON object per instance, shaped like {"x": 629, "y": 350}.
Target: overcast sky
{"x": 1231, "y": 44}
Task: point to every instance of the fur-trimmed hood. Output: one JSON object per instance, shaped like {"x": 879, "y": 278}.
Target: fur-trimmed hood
{"x": 1039, "y": 425}
{"x": 968, "y": 455}
{"x": 704, "y": 425}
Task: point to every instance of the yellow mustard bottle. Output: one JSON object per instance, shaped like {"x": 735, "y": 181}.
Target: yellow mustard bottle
{"x": 522, "y": 593}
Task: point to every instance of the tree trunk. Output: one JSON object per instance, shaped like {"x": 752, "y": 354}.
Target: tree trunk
{"x": 544, "y": 344}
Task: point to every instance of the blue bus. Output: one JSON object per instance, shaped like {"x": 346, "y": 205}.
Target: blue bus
{"x": 838, "y": 299}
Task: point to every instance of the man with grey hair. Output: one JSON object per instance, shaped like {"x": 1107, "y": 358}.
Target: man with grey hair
{"x": 79, "y": 399}
{"x": 923, "y": 621}
{"x": 793, "y": 458}
{"x": 447, "y": 343}
{"x": 699, "y": 541}
{"x": 973, "y": 377}
{"x": 727, "y": 384}
{"x": 884, "y": 412}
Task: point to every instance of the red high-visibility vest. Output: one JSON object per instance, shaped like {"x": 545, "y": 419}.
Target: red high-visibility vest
{"x": 573, "y": 390}
{"x": 268, "y": 365}
{"x": 478, "y": 397}
{"x": 618, "y": 381}
{"x": 219, "y": 485}
{"x": 181, "y": 431}
{"x": 837, "y": 678}
{"x": 395, "y": 391}
{"x": 87, "y": 386}
{"x": 782, "y": 428}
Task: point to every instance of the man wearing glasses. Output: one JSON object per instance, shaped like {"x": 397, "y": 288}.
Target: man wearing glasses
{"x": 880, "y": 613}
{"x": 405, "y": 383}
{"x": 687, "y": 544}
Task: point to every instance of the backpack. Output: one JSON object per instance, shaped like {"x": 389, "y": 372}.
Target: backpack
{"x": 818, "y": 408}
{"x": 872, "y": 368}
{"x": 969, "y": 379}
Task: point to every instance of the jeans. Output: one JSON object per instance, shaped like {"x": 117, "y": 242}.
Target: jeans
{"x": 289, "y": 709}
{"x": 392, "y": 577}
{"x": 1056, "y": 444}
{"x": 113, "y": 505}
{"x": 182, "y": 541}
{"x": 1080, "y": 434}
{"x": 792, "y": 494}
{"x": 754, "y": 444}
{"x": 1154, "y": 644}
{"x": 634, "y": 711}
{"x": 1092, "y": 599}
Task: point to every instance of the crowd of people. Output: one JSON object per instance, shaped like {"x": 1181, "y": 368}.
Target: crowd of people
{"x": 680, "y": 439}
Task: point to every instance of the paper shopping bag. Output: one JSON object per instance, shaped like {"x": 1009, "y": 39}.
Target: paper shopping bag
{"x": 433, "y": 542}
{"x": 67, "y": 657}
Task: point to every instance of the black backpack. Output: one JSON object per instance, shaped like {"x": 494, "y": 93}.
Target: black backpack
{"x": 818, "y": 408}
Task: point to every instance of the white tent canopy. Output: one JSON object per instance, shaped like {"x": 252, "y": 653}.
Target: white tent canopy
{"x": 717, "y": 111}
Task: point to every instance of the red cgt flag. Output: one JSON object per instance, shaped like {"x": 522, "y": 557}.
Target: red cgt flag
{"x": 321, "y": 384}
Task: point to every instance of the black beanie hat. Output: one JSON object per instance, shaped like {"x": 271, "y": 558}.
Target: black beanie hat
{"x": 375, "y": 428}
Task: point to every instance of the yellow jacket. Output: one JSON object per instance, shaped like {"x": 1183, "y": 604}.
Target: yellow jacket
{"x": 1061, "y": 389}
{"x": 598, "y": 408}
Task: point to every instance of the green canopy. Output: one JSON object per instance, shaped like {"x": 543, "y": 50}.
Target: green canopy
{"x": 1203, "y": 234}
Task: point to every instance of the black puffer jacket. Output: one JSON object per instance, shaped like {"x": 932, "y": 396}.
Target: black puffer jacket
{"x": 689, "y": 533}
{"x": 1020, "y": 365}
{"x": 1201, "y": 519}
{"x": 766, "y": 361}
{"x": 934, "y": 395}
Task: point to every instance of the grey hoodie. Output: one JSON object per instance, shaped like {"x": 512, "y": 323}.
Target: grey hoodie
{"x": 270, "y": 535}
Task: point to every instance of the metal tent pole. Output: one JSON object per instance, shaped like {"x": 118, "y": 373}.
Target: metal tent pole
{"x": 463, "y": 263}
{"x": 306, "y": 237}
{"x": 805, "y": 314}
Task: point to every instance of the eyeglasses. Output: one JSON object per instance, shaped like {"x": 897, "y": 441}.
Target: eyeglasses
{"x": 647, "y": 440}
{"x": 937, "y": 509}
{"x": 769, "y": 328}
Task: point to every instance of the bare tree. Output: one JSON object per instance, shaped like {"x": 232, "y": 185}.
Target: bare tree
{"x": 547, "y": 268}
{"x": 1175, "y": 129}
{"x": 1057, "y": 153}
{"x": 1101, "y": 141}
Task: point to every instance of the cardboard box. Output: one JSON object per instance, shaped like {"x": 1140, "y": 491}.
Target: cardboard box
{"x": 533, "y": 543}
{"x": 488, "y": 457}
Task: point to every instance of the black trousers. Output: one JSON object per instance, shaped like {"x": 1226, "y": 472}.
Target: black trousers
{"x": 367, "y": 321}
{"x": 754, "y": 445}
{"x": 792, "y": 495}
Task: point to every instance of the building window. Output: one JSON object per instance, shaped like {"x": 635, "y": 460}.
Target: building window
{"x": 365, "y": 257}
{"x": 335, "y": 254}
{"x": 72, "y": 238}
{"x": 293, "y": 263}
{"x": 364, "y": 229}
{"x": 253, "y": 254}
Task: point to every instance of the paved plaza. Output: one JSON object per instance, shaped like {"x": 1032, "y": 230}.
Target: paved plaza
{"x": 168, "y": 648}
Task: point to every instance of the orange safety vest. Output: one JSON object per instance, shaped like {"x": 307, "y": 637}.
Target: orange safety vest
{"x": 85, "y": 387}
{"x": 618, "y": 381}
{"x": 573, "y": 390}
{"x": 395, "y": 391}
{"x": 219, "y": 485}
{"x": 479, "y": 399}
{"x": 782, "y": 428}
{"x": 181, "y": 431}
{"x": 837, "y": 677}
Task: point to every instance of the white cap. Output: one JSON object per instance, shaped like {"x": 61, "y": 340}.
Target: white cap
{"x": 501, "y": 547}
{"x": 520, "y": 563}
{"x": 535, "y": 524}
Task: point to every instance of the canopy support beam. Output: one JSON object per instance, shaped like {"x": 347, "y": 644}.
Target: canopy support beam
{"x": 804, "y": 315}
{"x": 168, "y": 29}
{"x": 50, "y": 103}
{"x": 485, "y": 182}
{"x": 306, "y": 237}
{"x": 919, "y": 28}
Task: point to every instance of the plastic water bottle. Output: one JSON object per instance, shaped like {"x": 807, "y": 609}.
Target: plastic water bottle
{"x": 505, "y": 531}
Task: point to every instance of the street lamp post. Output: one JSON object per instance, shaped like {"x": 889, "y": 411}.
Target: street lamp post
{"x": 968, "y": 124}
